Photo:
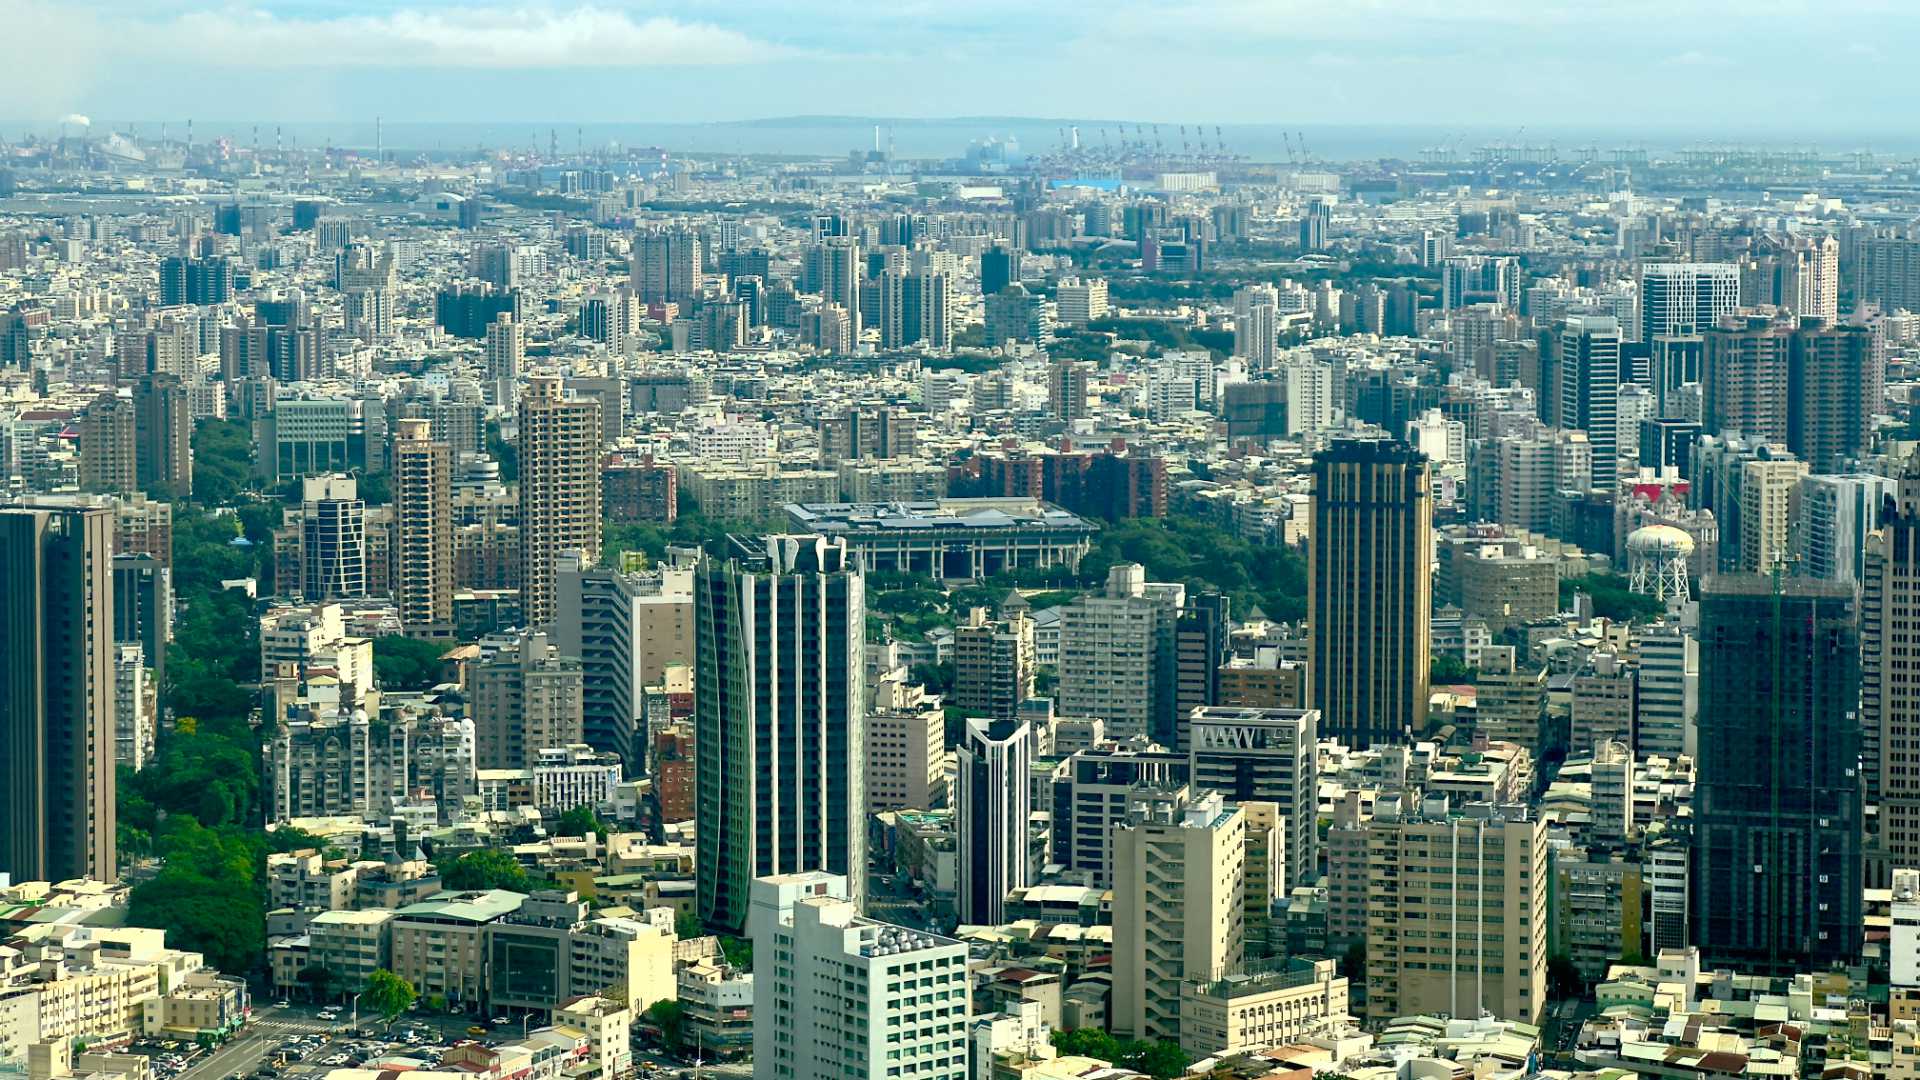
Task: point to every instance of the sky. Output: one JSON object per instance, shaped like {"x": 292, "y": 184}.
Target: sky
{"x": 1787, "y": 67}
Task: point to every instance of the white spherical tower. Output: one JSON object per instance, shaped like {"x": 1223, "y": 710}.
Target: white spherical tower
{"x": 1657, "y": 562}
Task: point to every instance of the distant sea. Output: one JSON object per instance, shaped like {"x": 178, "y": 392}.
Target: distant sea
{"x": 835, "y": 136}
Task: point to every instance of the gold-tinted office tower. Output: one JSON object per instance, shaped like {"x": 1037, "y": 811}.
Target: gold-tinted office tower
{"x": 56, "y": 693}
{"x": 1370, "y": 590}
{"x": 423, "y": 525}
{"x": 559, "y": 488}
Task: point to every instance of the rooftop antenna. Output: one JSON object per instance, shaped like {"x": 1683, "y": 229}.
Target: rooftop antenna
{"x": 876, "y": 138}
{"x": 189, "y": 133}
{"x": 553, "y": 144}
{"x": 378, "y": 145}
{"x": 276, "y": 140}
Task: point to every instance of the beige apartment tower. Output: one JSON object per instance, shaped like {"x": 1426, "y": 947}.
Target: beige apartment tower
{"x": 1179, "y": 907}
{"x": 1456, "y": 910}
{"x": 423, "y": 530}
{"x": 559, "y": 488}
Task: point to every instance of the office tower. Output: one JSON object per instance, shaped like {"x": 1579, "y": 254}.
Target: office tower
{"x": 666, "y": 266}
{"x": 1116, "y": 655}
{"x": 163, "y": 427}
{"x": 992, "y": 801}
{"x": 1473, "y": 880}
{"x": 1069, "y": 386}
{"x": 993, "y": 663}
{"x": 186, "y": 280}
{"x": 1017, "y": 315}
{"x": 830, "y": 1000}
{"x": 1831, "y": 519}
{"x": 143, "y": 608}
{"x": 1315, "y": 219}
{"x": 525, "y": 698}
{"x": 133, "y": 720}
{"x": 627, "y": 630}
{"x": 1686, "y": 298}
{"x": 1767, "y": 484}
{"x": 1255, "y": 324}
{"x": 1674, "y": 360}
{"x": 333, "y": 539}
{"x": 602, "y": 320}
{"x": 1479, "y": 279}
{"x": 56, "y": 694}
{"x": 1265, "y": 756}
{"x": 1668, "y": 443}
{"x": 1888, "y": 272}
{"x": 1668, "y": 691}
{"x": 108, "y": 446}
{"x": 1370, "y": 590}
{"x": 1589, "y": 381}
{"x": 1200, "y": 648}
{"x": 506, "y": 349}
{"x": 833, "y": 269}
{"x": 780, "y": 699}
{"x": 1777, "y": 871}
{"x": 559, "y": 488}
{"x": 999, "y": 267}
{"x": 1179, "y": 911}
{"x": 423, "y": 530}
{"x": 1079, "y": 301}
{"x": 1889, "y": 696}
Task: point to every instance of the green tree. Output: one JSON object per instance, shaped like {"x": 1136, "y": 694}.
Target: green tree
{"x": 1449, "y": 670}
{"x": 487, "y": 868}
{"x": 1612, "y": 598}
{"x": 1159, "y": 1058}
{"x": 404, "y": 663}
{"x": 737, "y": 951}
{"x": 669, "y": 1018}
{"x": 222, "y": 461}
{"x": 387, "y": 994}
{"x": 210, "y": 896}
{"x": 581, "y": 821}
{"x": 1563, "y": 978}
{"x": 1087, "y": 1042}
{"x": 688, "y": 925}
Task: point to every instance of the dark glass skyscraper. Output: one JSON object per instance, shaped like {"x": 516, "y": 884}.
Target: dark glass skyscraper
{"x": 1777, "y": 872}
{"x": 780, "y": 693}
{"x": 1370, "y": 589}
{"x": 56, "y": 694}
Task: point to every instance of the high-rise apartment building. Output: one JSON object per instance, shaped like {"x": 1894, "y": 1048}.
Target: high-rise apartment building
{"x": 916, "y": 308}
{"x": 422, "y": 473}
{"x": 1479, "y": 279}
{"x": 1069, "y": 388}
{"x": 907, "y": 757}
{"x": 1116, "y": 655}
{"x": 1265, "y": 756}
{"x": 992, "y": 801}
{"x": 1832, "y": 517}
{"x": 525, "y": 698}
{"x": 1179, "y": 913}
{"x": 993, "y": 663}
{"x": 163, "y": 426}
{"x": 1668, "y": 691}
{"x": 1456, "y": 910}
{"x": 57, "y": 724}
{"x": 1888, "y": 272}
{"x": 559, "y": 488}
{"x": 1767, "y": 486}
{"x": 1812, "y": 386}
{"x": 1777, "y": 819}
{"x": 780, "y": 701}
{"x": 666, "y": 266}
{"x": 1686, "y": 298}
{"x": 1255, "y": 324}
{"x": 506, "y": 351}
{"x": 833, "y": 269}
{"x": 1370, "y": 590}
{"x": 840, "y": 995}
{"x": 108, "y": 446}
{"x": 626, "y": 629}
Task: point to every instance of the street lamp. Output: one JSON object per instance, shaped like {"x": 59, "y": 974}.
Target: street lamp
{"x": 356, "y": 1011}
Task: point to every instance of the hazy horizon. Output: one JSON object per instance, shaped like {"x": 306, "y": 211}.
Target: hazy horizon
{"x": 1791, "y": 67}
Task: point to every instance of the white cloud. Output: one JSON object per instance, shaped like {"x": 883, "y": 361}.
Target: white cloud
{"x": 450, "y": 37}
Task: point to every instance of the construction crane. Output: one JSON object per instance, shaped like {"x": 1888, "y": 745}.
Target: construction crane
{"x": 1219, "y": 140}
{"x": 1156, "y": 140}
{"x": 1305, "y": 156}
{"x": 1186, "y": 150}
{"x": 1288, "y": 140}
